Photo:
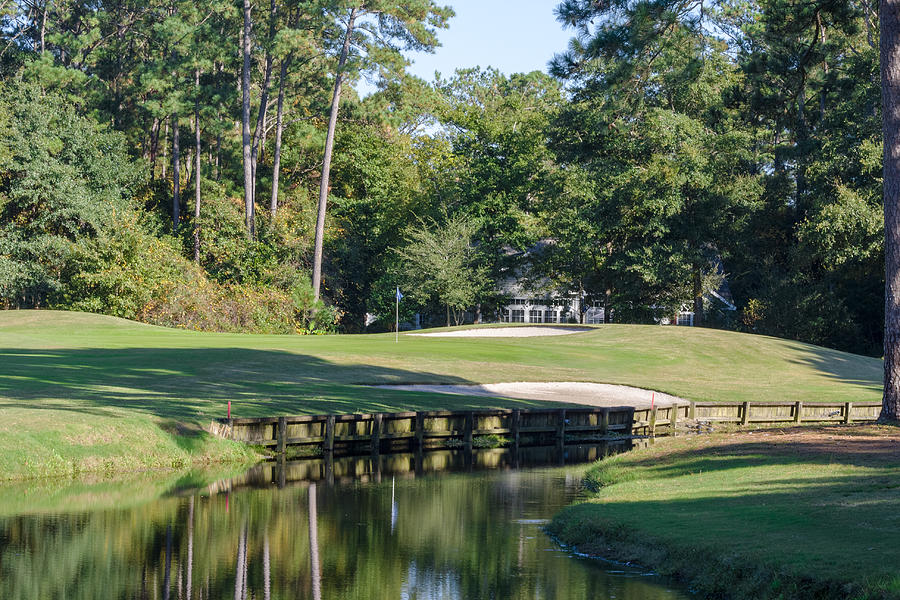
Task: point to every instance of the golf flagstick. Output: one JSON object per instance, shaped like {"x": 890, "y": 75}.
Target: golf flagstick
{"x": 397, "y": 297}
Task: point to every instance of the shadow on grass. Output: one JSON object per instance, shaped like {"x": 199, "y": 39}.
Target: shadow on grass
{"x": 853, "y": 369}
{"x": 821, "y": 517}
{"x": 179, "y": 383}
{"x": 815, "y": 541}
{"x": 820, "y": 449}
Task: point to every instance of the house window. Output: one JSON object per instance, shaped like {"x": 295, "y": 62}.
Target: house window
{"x": 504, "y": 315}
{"x": 686, "y": 319}
{"x": 518, "y": 316}
{"x": 536, "y": 316}
{"x": 550, "y": 316}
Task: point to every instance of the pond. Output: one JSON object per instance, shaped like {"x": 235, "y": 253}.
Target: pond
{"x": 445, "y": 524}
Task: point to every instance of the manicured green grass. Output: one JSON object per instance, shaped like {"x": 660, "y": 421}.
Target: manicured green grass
{"x": 807, "y": 513}
{"x": 82, "y": 392}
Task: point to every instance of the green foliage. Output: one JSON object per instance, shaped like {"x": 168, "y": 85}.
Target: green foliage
{"x": 376, "y": 194}
{"x": 63, "y": 179}
{"x": 438, "y": 263}
{"x": 72, "y": 235}
{"x": 674, "y": 149}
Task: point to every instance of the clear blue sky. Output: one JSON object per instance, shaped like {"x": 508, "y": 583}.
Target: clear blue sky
{"x": 514, "y": 36}
{"x": 511, "y": 35}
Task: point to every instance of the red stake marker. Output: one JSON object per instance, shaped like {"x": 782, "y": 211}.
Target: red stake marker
{"x": 229, "y": 409}
{"x": 652, "y": 399}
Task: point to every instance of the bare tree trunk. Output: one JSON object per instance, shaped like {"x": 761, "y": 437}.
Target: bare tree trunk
{"x": 698, "y": 297}
{"x": 279, "y": 128}
{"x": 245, "y": 126}
{"x": 259, "y": 131}
{"x": 890, "y": 99}
{"x": 868, "y": 21}
{"x": 44, "y": 26}
{"x": 165, "y": 158}
{"x": 154, "y": 146}
{"x": 218, "y": 150}
{"x": 176, "y": 175}
{"x": 326, "y": 162}
{"x": 197, "y": 166}
{"x": 822, "y": 93}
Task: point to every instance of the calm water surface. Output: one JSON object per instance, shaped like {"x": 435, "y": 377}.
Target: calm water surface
{"x": 398, "y": 527}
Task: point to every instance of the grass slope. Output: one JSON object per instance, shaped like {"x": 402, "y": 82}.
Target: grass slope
{"x": 809, "y": 513}
{"x": 82, "y": 392}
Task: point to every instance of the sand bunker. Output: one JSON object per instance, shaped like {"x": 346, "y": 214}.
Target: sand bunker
{"x": 590, "y": 394}
{"x": 506, "y": 332}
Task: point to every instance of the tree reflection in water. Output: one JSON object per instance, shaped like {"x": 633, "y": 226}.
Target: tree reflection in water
{"x": 422, "y": 536}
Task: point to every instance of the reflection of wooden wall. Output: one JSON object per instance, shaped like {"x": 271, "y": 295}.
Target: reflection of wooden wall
{"x": 429, "y": 429}
{"x": 404, "y": 465}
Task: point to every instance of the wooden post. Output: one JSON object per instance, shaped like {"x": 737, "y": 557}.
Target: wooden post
{"x": 329, "y": 467}
{"x": 604, "y": 421}
{"x": 561, "y": 428}
{"x": 329, "y": 433}
{"x": 282, "y": 434}
{"x": 420, "y": 430}
{"x": 692, "y": 411}
{"x": 629, "y": 422}
{"x": 745, "y": 413}
{"x": 376, "y": 433}
{"x": 419, "y": 459}
{"x": 280, "y": 472}
{"x": 467, "y": 431}
{"x": 514, "y": 427}
{"x": 673, "y": 417}
{"x": 848, "y": 406}
{"x": 798, "y": 412}
{"x": 653, "y": 420}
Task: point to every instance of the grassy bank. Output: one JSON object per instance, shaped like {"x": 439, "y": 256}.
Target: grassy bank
{"x": 82, "y": 393}
{"x": 802, "y": 513}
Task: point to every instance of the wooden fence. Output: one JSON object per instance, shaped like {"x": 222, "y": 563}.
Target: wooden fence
{"x": 519, "y": 427}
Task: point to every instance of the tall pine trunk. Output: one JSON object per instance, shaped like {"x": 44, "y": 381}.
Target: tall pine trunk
{"x": 176, "y": 175}
{"x": 165, "y": 146}
{"x": 890, "y": 101}
{"x": 326, "y": 162}
{"x": 260, "y": 131}
{"x": 197, "y": 166}
{"x": 154, "y": 146}
{"x": 245, "y": 125}
{"x": 279, "y": 127}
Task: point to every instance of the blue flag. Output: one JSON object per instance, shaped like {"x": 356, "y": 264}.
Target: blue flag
{"x": 399, "y": 295}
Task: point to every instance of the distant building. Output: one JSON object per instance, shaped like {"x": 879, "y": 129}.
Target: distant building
{"x": 526, "y": 306}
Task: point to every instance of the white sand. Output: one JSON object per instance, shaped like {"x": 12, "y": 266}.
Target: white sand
{"x": 536, "y": 331}
{"x": 591, "y": 394}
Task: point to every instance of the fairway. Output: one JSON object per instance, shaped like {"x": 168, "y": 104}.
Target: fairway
{"x": 83, "y": 392}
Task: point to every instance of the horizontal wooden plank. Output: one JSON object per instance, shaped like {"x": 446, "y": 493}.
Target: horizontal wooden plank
{"x": 399, "y": 435}
{"x": 496, "y": 431}
{"x": 542, "y": 429}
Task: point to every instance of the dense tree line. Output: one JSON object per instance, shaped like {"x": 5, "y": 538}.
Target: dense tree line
{"x": 164, "y": 157}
